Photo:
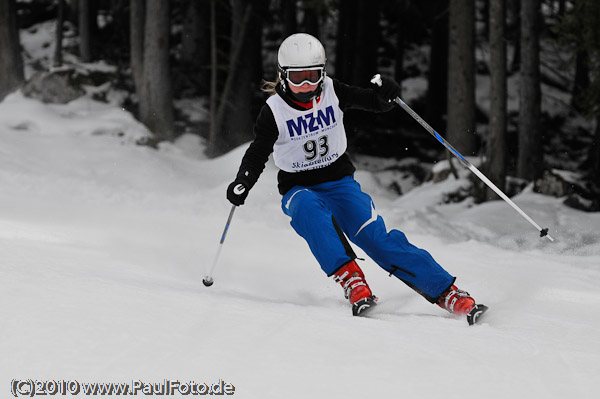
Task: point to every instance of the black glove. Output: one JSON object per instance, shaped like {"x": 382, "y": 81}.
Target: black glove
{"x": 386, "y": 88}
{"x": 238, "y": 191}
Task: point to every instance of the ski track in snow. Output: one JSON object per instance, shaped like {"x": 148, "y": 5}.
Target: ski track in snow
{"x": 104, "y": 245}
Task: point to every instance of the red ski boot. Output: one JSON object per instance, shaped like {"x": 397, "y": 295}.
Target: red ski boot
{"x": 459, "y": 302}
{"x": 356, "y": 289}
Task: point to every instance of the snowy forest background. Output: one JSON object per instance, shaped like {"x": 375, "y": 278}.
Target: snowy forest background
{"x": 514, "y": 83}
{"x": 110, "y": 215}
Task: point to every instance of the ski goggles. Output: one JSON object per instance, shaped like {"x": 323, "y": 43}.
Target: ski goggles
{"x": 300, "y": 76}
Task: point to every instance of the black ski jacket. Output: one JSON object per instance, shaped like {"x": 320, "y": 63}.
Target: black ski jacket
{"x": 266, "y": 134}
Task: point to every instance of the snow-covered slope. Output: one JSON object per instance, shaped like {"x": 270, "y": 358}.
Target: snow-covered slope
{"x": 103, "y": 246}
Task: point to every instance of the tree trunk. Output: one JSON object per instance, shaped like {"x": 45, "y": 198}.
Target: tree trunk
{"x": 357, "y": 42}
{"x": 496, "y": 145}
{"x": 195, "y": 43}
{"x": 485, "y": 10}
{"x": 595, "y": 155}
{"x": 310, "y": 22}
{"x": 515, "y": 6}
{"x": 346, "y": 34}
{"x": 561, "y": 7}
{"x": 245, "y": 73}
{"x": 461, "y": 77}
{"x": 11, "y": 63}
{"x": 84, "y": 18}
{"x": 530, "y": 162}
{"x": 58, "y": 50}
{"x": 136, "y": 32}
{"x": 366, "y": 43}
{"x": 437, "y": 79}
{"x": 288, "y": 12}
{"x": 156, "y": 104}
{"x": 213, "y": 104}
{"x": 229, "y": 132}
{"x": 582, "y": 80}
{"x": 192, "y": 32}
{"x": 400, "y": 42}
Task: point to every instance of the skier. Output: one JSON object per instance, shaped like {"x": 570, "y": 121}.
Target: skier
{"x": 302, "y": 125}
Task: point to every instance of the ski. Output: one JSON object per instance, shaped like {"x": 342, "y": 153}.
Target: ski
{"x": 474, "y": 316}
{"x": 363, "y": 306}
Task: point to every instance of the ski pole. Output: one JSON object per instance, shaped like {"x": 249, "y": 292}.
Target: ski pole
{"x": 208, "y": 280}
{"x": 543, "y": 232}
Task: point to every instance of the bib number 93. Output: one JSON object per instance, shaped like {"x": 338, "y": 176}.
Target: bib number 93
{"x": 316, "y": 148}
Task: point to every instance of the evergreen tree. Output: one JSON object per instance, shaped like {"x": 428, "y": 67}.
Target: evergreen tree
{"x": 530, "y": 160}
{"x": 461, "y": 77}
{"x": 580, "y": 27}
{"x": 496, "y": 143}
{"x": 11, "y": 63}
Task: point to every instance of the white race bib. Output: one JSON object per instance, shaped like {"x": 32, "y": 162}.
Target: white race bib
{"x": 309, "y": 140}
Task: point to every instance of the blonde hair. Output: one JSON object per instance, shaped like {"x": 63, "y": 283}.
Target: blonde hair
{"x": 269, "y": 86}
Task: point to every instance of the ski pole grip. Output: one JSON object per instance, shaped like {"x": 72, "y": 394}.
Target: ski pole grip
{"x": 239, "y": 189}
{"x": 377, "y": 80}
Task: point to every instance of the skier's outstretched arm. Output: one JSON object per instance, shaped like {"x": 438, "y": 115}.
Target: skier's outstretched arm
{"x": 255, "y": 158}
{"x": 374, "y": 98}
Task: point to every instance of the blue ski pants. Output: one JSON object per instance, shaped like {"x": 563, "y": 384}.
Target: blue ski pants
{"x": 325, "y": 214}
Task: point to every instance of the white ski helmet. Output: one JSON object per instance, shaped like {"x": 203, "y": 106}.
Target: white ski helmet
{"x": 301, "y": 52}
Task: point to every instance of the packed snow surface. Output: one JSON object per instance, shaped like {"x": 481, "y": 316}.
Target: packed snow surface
{"x": 104, "y": 244}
